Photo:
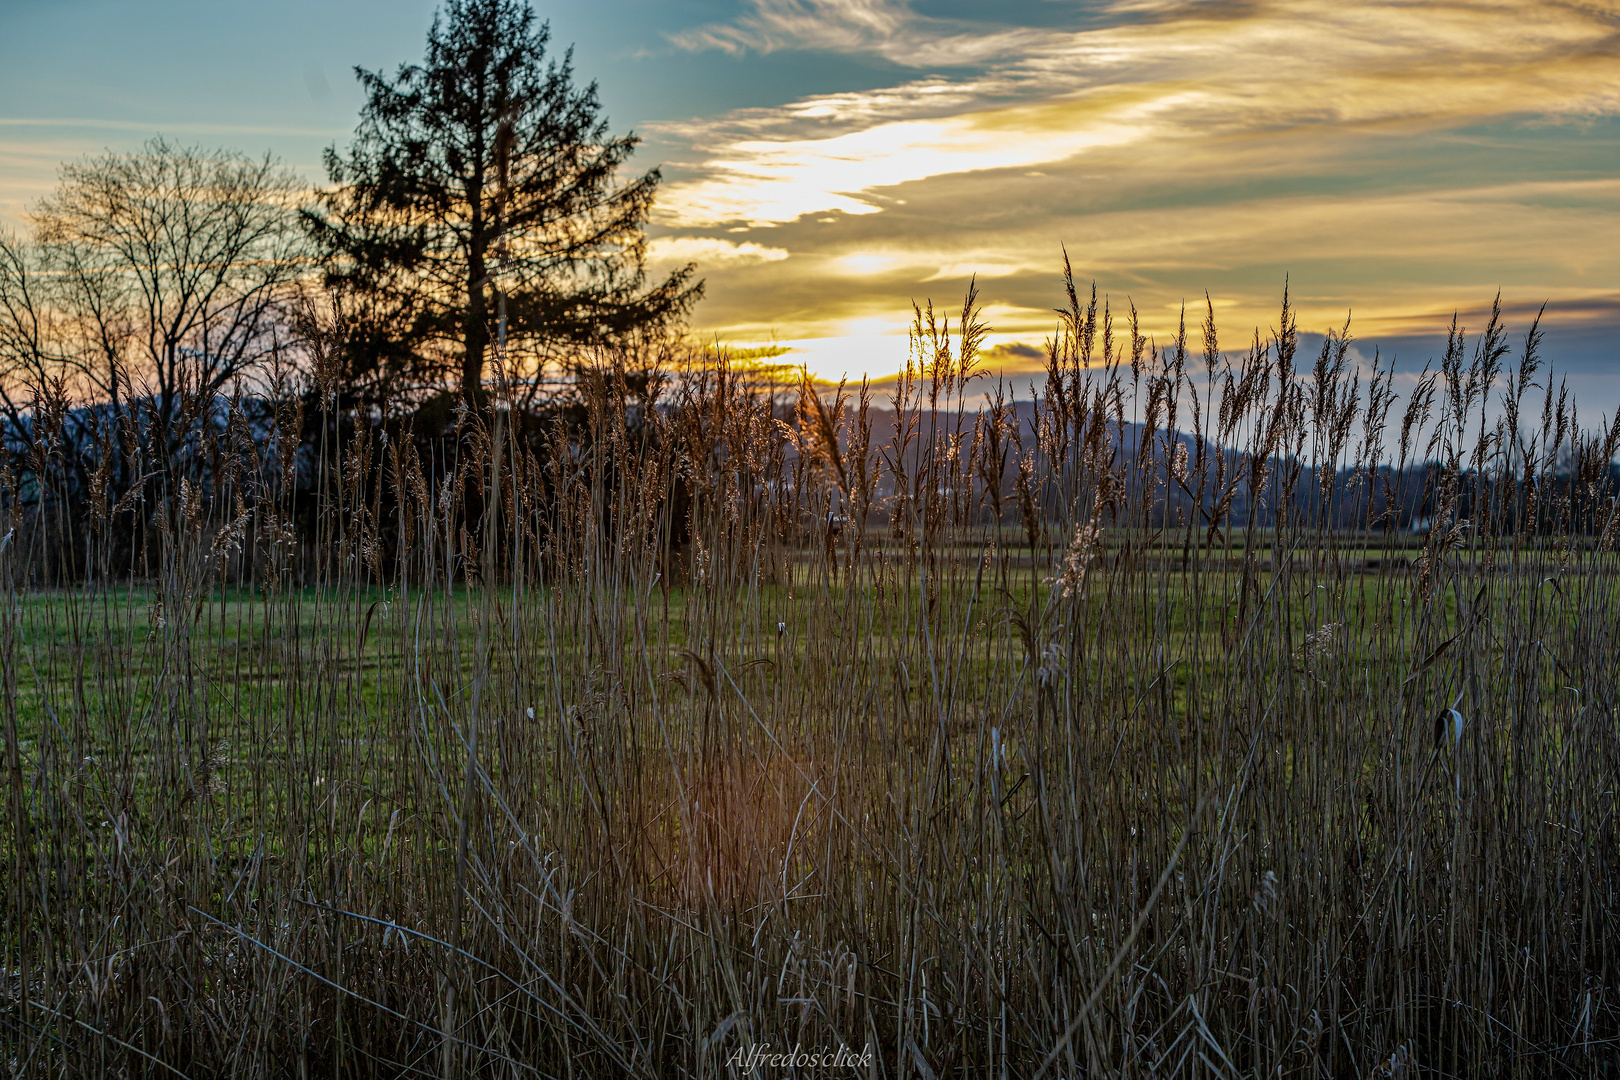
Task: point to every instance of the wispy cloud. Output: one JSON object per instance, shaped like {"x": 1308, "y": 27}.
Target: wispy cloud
{"x": 883, "y": 27}
{"x": 763, "y": 181}
{"x": 1277, "y": 67}
{"x": 1400, "y": 158}
{"x": 710, "y": 251}
{"x": 32, "y": 148}
{"x": 178, "y": 127}
{"x": 770, "y": 25}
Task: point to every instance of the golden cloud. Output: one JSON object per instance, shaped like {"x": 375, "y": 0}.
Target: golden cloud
{"x": 1201, "y": 145}
{"x": 709, "y": 250}
{"x": 1323, "y": 65}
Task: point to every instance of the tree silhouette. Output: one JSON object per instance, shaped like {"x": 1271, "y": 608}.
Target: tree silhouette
{"x": 481, "y": 204}
{"x": 151, "y": 274}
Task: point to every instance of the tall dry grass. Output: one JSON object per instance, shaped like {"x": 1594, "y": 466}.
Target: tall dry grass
{"x": 1001, "y": 746}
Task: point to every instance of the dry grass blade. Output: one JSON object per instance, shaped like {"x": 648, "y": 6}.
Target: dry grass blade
{"x": 639, "y": 735}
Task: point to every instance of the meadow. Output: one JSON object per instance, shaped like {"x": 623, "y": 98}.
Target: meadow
{"x": 1138, "y": 733}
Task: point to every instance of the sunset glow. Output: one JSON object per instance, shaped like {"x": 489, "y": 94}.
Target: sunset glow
{"x": 828, "y": 162}
{"x": 810, "y": 538}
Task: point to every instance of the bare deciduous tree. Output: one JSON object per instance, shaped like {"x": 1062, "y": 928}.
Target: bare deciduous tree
{"x": 149, "y": 273}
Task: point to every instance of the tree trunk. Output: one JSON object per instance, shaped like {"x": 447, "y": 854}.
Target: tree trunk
{"x": 475, "y": 337}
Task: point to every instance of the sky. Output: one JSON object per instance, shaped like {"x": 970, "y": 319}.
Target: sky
{"x": 828, "y": 163}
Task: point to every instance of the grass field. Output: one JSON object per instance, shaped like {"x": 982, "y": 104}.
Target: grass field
{"x": 623, "y": 760}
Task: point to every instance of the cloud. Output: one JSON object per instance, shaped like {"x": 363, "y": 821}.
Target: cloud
{"x": 708, "y": 250}
{"x": 186, "y": 127}
{"x": 890, "y": 30}
{"x": 1266, "y": 68}
{"x": 1397, "y": 160}
{"x": 1012, "y": 357}
{"x": 33, "y": 148}
{"x": 836, "y": 25}
{"x": 764, "y": 182}
{"x": 1399, "y": 261}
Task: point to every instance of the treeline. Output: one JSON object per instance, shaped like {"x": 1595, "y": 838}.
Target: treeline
{"x": 475, "y": 266}
{"x": 1219, "y": 451}
{"x": 480, "y": 228}
{"x": 1391, "y": 497}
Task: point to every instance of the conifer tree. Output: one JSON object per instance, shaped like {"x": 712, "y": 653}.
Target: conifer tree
{"x": 482, "y": 199}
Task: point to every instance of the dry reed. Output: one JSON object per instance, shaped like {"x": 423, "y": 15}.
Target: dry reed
{"x": 1129, "y": 733}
